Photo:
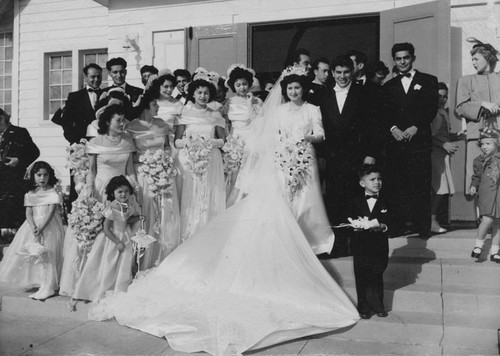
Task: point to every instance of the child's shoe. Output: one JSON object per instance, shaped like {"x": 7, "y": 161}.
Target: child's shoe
{"x": 495, "y": 258}
{"x": 476, "y": 252}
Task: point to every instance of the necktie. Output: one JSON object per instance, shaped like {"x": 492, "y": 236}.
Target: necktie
{"x": 367, "y": 196}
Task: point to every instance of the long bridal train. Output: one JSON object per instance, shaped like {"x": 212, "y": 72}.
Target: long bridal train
{"x": 248, "y": 281}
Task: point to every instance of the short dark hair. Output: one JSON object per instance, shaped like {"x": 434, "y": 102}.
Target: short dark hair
{"x": 239, "y": 73}
{"x": 374, "y": 67}
{"x": 404, "y": 46}
{"x": 107, "y": 115}
{"x": 442, "y": 86}
{"x": 114, "y": 184}
{"x": 91, "y": 65}
{"x": 4, "y": 115}
{"x": 342, "y": 61}
{"x": 316, "y": 63}
{"x": 158, "y": 82}
{"x": 36, "y": 167}
{"x": 201, "y": 83}
{"x": 367, "y": 169}
{"x": 182, "y": 73}
{"x": 148, "y": 68}
{"x": 118, "y": 61}
{"x": 147, "y": 98}
{"x": 295, "y": 78}
{"x": 360, "y": 56}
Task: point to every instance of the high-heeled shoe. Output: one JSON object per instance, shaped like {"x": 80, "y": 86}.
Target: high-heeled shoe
{"x": 495, "y": 258}
{"x": 476, "y": 252}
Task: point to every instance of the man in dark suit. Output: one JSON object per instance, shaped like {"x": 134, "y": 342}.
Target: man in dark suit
{"x": 359, "y": 60}
{"x": 183, "y": 77}
{"x": 346, "y": 147}
{"x": 79, "y": 109}
{"x": 117, "y": 69}
{"x": 79, "y": 112}
{"x": 17, "y": 152}
{"x": 412, "y": 103}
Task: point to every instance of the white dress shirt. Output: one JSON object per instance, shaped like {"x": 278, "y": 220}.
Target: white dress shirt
{"x": 406, "y": 81}
{"x": 341, "y": 95}
{"x": 92, "y": 96}
{"x": 371, "y": 203}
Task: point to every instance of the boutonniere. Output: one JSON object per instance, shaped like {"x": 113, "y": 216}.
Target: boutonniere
{"x": 417, "y": 87}
{"x": 311, "y": 91}
{"x": 383, "y": 211}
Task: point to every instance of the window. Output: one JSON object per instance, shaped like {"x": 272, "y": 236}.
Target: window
{"x": 60, "y": 81}
{"x": 99, "y": 57}
{"x": 6, "y": 71}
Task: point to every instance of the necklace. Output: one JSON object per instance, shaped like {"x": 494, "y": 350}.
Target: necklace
{"x": 113, "y": 139}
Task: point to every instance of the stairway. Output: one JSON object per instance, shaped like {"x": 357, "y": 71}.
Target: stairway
{"x": 440, "y": 302}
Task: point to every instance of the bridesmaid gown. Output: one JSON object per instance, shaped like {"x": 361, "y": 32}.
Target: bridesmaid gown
{"x": 201, "y": 199}
{"x": 162, "y": 222}
{"x": 111, "y": 161}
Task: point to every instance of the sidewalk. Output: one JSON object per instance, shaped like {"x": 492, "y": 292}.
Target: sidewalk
{"x": 442, "y": 302}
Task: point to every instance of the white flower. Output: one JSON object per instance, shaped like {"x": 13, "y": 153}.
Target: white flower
{"x": 417, "y": 87}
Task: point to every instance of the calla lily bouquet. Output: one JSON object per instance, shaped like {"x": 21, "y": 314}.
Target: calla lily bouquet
{"x": 294, "y": 157}
{"x": 233, "y": 154}
{"x": 86, "y": 220}
{"x": 198, "y": 150}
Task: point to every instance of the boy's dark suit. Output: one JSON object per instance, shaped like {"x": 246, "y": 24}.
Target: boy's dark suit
{"x": 344, "y": 149}
{"x": 370, "y": 250}
{"x": 78, "y": 114}
{"x": 409, "y": 162}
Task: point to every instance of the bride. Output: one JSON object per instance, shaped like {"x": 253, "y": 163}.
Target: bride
{"x": 250, "y": 278}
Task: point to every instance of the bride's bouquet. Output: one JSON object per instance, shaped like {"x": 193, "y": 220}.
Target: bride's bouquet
{"x": 86, "y": 220}
{"x": 198, "y": 150}
{"x": 78, "y": 163}
{"x": 158, "y": 171}
{"x": 294, "y": 157}
{"x": 233, "y": 154}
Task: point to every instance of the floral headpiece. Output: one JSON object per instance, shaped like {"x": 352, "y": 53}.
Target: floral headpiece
{"x": 201, "y": 75}
{"x": 295, "y": 69}
{"x": 239, "y": 65}
{"x": 489, "y": 132}
{"x": 112, "y": 101}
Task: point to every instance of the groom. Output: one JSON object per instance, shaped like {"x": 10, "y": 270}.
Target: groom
{"x": 346, "y": 124}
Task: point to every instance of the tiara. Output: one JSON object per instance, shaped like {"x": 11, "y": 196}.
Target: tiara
{"x": 295, "y": 69}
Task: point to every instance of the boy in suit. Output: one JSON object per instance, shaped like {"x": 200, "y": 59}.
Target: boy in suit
{"x": 369, "y": 244}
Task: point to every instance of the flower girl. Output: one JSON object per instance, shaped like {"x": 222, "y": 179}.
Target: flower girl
{"x": 109, "y": 264}
{"x": 35, "y": 255}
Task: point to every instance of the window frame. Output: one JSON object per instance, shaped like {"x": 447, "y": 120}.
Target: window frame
{"x": 81, "y": 65}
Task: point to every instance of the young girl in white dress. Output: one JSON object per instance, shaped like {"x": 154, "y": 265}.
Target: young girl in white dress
{"x": 162, "y": 213}
{"x": 43, "y": 226}
{"x": 109, "y": 265}
{"x": 240, "y": 110}
{"x": 203, "y": 195}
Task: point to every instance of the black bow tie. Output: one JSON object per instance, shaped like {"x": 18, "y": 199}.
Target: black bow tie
{"x": 407, "y": 75}
{"x": 90, "y": 90}
{"x": 367, "y": 196}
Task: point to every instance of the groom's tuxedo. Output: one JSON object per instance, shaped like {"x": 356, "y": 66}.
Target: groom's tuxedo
{"x": 408, "y": 161}
{"x": 344, "y": 149}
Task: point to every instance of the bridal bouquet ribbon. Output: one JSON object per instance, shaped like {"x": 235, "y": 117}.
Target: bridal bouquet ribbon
{"x": 141, "y": 241}
{"x": 294, "y": 157}
{"x": 158, "y": 171}
{"x": 33, "y": 252}
{"x": 233, "y": 154}
{"x": 78, "y": 163}
{"x": 198, "y": 150}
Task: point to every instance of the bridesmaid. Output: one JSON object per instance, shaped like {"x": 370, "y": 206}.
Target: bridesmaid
{"x": 240, "y": 110}
{"x": 478, "y": 100}
{"x": 203, "y": 194}
{"x": 110, "y": 155}
{"x": 162, "y": 217}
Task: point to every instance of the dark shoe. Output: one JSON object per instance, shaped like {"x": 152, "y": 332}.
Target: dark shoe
{"x": 476, "y": 252}
{"x": 365, "y": 315}
{"x": 495, "y": 258}
{"x": 383, "y": 314}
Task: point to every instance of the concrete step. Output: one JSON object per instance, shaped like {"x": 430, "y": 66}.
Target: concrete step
{"x": 410, "y": 270}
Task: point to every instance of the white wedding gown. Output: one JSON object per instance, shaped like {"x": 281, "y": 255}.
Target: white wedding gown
{"x": 247, "y": 280}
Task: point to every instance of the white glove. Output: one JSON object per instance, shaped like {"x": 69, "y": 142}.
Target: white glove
{"x": 217, "y": 142}
{"x": 180, "y": 143}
